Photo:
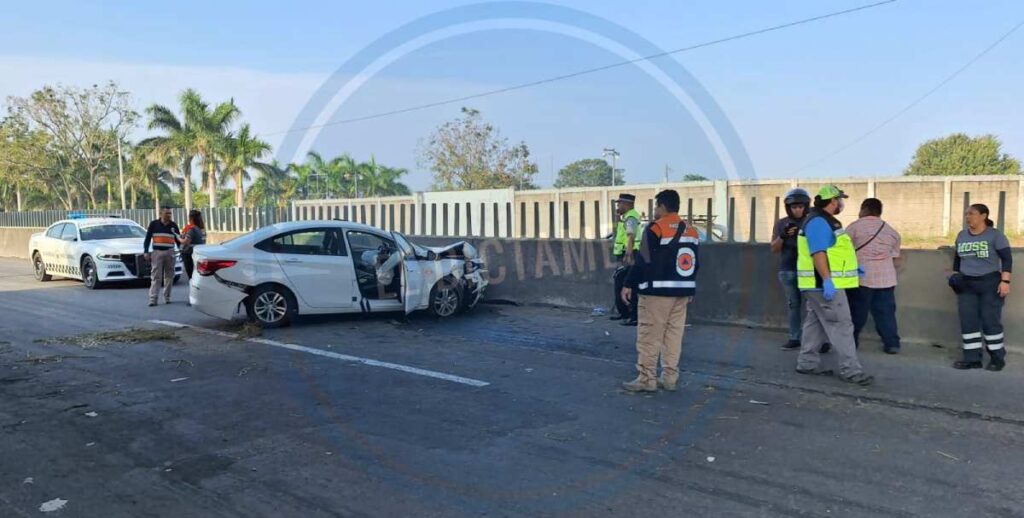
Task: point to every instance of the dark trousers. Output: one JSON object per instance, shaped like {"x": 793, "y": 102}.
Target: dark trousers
{"x": 981, "y": 311}
{"x": 625, "y": 310}
{"x": 880, "y": 303}
{"x": 188, "y": 263}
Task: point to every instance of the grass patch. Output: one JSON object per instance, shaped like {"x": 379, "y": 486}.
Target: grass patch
{"x": 124, "y": 336}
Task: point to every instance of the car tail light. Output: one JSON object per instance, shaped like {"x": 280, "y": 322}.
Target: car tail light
{"x": 209, "y": 267}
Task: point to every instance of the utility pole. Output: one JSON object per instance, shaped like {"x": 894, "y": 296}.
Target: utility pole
{"x": 120, "y": 169}
{"x": 667, "y": 171}
{"x": 610, "y": 151}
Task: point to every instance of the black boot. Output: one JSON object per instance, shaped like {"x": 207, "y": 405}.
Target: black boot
{"x": 790, "y": 345}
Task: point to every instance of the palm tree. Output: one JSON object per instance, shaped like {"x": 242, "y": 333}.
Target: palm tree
{"x": 147, "y": 169}
{"x": 201, "y": 133}
{"x": 178, "y": 146}
{"x": 380, "y": 180}
{"x": 211, "y": 134}
{"x": 243, "y": 152}
{"x": 274, "y": 186}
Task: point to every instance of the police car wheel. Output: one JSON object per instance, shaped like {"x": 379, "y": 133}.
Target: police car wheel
{"x": 40, "y": 268}
{"x": 89, "y": 274}
{"x": 271, "y": 306}
{"x": 445, "y": 298}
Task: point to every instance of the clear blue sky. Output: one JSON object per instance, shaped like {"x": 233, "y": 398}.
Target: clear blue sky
{"x": 792, "y": 96}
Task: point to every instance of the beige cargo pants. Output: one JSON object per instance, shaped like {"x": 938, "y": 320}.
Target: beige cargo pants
{"x": 161, "y": 274}
{"x": 659, "y": 334}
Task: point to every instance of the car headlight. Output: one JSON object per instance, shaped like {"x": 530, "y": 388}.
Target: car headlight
{"x": 108, "y": 257}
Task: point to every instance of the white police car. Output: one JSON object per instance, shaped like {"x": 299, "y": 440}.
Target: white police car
{"x": 96, "y": 250}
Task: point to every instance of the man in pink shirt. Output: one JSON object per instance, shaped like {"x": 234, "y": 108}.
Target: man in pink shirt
{"x": 878, "y": 252}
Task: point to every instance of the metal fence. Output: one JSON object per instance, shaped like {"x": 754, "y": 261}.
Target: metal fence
{"x": 233, "y": 219}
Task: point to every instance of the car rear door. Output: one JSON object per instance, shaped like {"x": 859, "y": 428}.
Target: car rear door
{"x": 317, "y": 264}
{"x": 413, "y": 282}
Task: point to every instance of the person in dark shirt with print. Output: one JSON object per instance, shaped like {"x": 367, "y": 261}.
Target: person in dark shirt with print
{"x": 981, "y": 279}
{"x": 784, "y": 244}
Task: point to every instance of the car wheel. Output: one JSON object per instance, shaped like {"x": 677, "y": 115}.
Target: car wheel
{"x": 445, "y": 299}
{"x": 40, "y": 268}
{"x": 270, "y": 306}
{"x": 90, "y": 276}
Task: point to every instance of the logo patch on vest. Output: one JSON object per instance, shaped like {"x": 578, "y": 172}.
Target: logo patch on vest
{"x": 686, "y": 262}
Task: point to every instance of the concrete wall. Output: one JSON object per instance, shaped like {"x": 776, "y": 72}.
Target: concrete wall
{"x": 737, "y": 282}
{"x": 917, "y": 206}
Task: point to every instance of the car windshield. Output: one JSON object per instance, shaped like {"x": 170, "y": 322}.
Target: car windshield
{"x": 97, "y": 232}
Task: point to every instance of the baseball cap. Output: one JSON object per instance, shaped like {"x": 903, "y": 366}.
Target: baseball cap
{"x": 831, "y": 191}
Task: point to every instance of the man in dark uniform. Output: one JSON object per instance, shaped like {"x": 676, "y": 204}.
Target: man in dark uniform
{"x": 627, "y": 241}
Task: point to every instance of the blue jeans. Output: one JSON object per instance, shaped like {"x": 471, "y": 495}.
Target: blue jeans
{"x": 881, "y": 304}
{"x": 794, "y": 301}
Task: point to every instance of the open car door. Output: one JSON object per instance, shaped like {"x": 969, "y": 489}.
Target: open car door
{"x": 412, "y": 275}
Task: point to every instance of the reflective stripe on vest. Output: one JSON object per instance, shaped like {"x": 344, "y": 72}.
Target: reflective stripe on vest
{"x": 622, "y": 238}
{"x": 842, "y": 262}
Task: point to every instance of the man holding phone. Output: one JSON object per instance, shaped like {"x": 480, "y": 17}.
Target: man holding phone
{"x": 784, "y": 238}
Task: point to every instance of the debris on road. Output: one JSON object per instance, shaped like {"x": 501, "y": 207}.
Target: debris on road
{"x": 588, "y": 321}
{"x": 178, "y": 361}
{"x": 948, "y": 456}
{"x": 91, "y": 414}
{"x": 175, "y": 380}
{"x": 28, "y": 480}
{"x": 124, "y": 336}
{"x": 53, "y": 505}
{"x": 599, "y": 312}
{"x": 756, "y": 402}
{"x": 249, "y": 330}
{"x": 606, "y": 333}
{"x": 711, "y": 459}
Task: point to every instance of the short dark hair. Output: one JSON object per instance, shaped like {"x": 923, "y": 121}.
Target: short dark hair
{"x": 873, "y": 206}
{"x": 668, "y": 199}
{"x": 820, "y": 203}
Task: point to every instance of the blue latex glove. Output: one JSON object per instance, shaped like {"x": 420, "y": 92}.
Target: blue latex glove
{"x": 860, "y": 272}
{"x": 829, "y": 290}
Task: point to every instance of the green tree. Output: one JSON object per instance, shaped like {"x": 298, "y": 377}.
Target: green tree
{"x": 202, "y": 132}
{"x": 243, "y": 153}
{"x": 274, "y": 186}
{"x": 468, "y": 153}
{"x": 694, "y": 177}
{"x": 961, "y": 154}
{"x": 28, "y": 169}
{"x": 378, "y": 180}
{"x": 589, "y": 172}
{"x": 83, "y": 126}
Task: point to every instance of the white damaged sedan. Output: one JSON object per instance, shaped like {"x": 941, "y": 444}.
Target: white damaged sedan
{"x": 321, "y": 267}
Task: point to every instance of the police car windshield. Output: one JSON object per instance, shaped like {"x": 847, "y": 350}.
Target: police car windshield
{"x": 97, "y": 232}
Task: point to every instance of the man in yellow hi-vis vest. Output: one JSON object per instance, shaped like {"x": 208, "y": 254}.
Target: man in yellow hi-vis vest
{"x": 826, "y": 266}
{"x": 627, "y": 241}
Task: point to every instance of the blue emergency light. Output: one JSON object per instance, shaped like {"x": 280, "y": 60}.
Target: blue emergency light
{"x": 76, "y": 215}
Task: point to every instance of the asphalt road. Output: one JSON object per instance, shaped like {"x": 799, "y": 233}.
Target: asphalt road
{"x": 508, "y": 411}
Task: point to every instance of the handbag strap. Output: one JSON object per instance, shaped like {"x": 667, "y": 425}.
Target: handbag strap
{"x": 866, "y": 243}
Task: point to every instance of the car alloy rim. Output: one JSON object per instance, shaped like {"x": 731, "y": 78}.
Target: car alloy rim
{"x": 88, "y": 274}
{"x": 446, "y": 302}
{"x": 39, "y": 267}
{"x": 270, "y": 306}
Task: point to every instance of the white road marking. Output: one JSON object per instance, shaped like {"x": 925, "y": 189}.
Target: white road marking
{"x": 329, "y": 354}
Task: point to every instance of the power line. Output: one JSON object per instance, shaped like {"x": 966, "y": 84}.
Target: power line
{"x": 917, "y": 101}
{"x": 586, "y": 71}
